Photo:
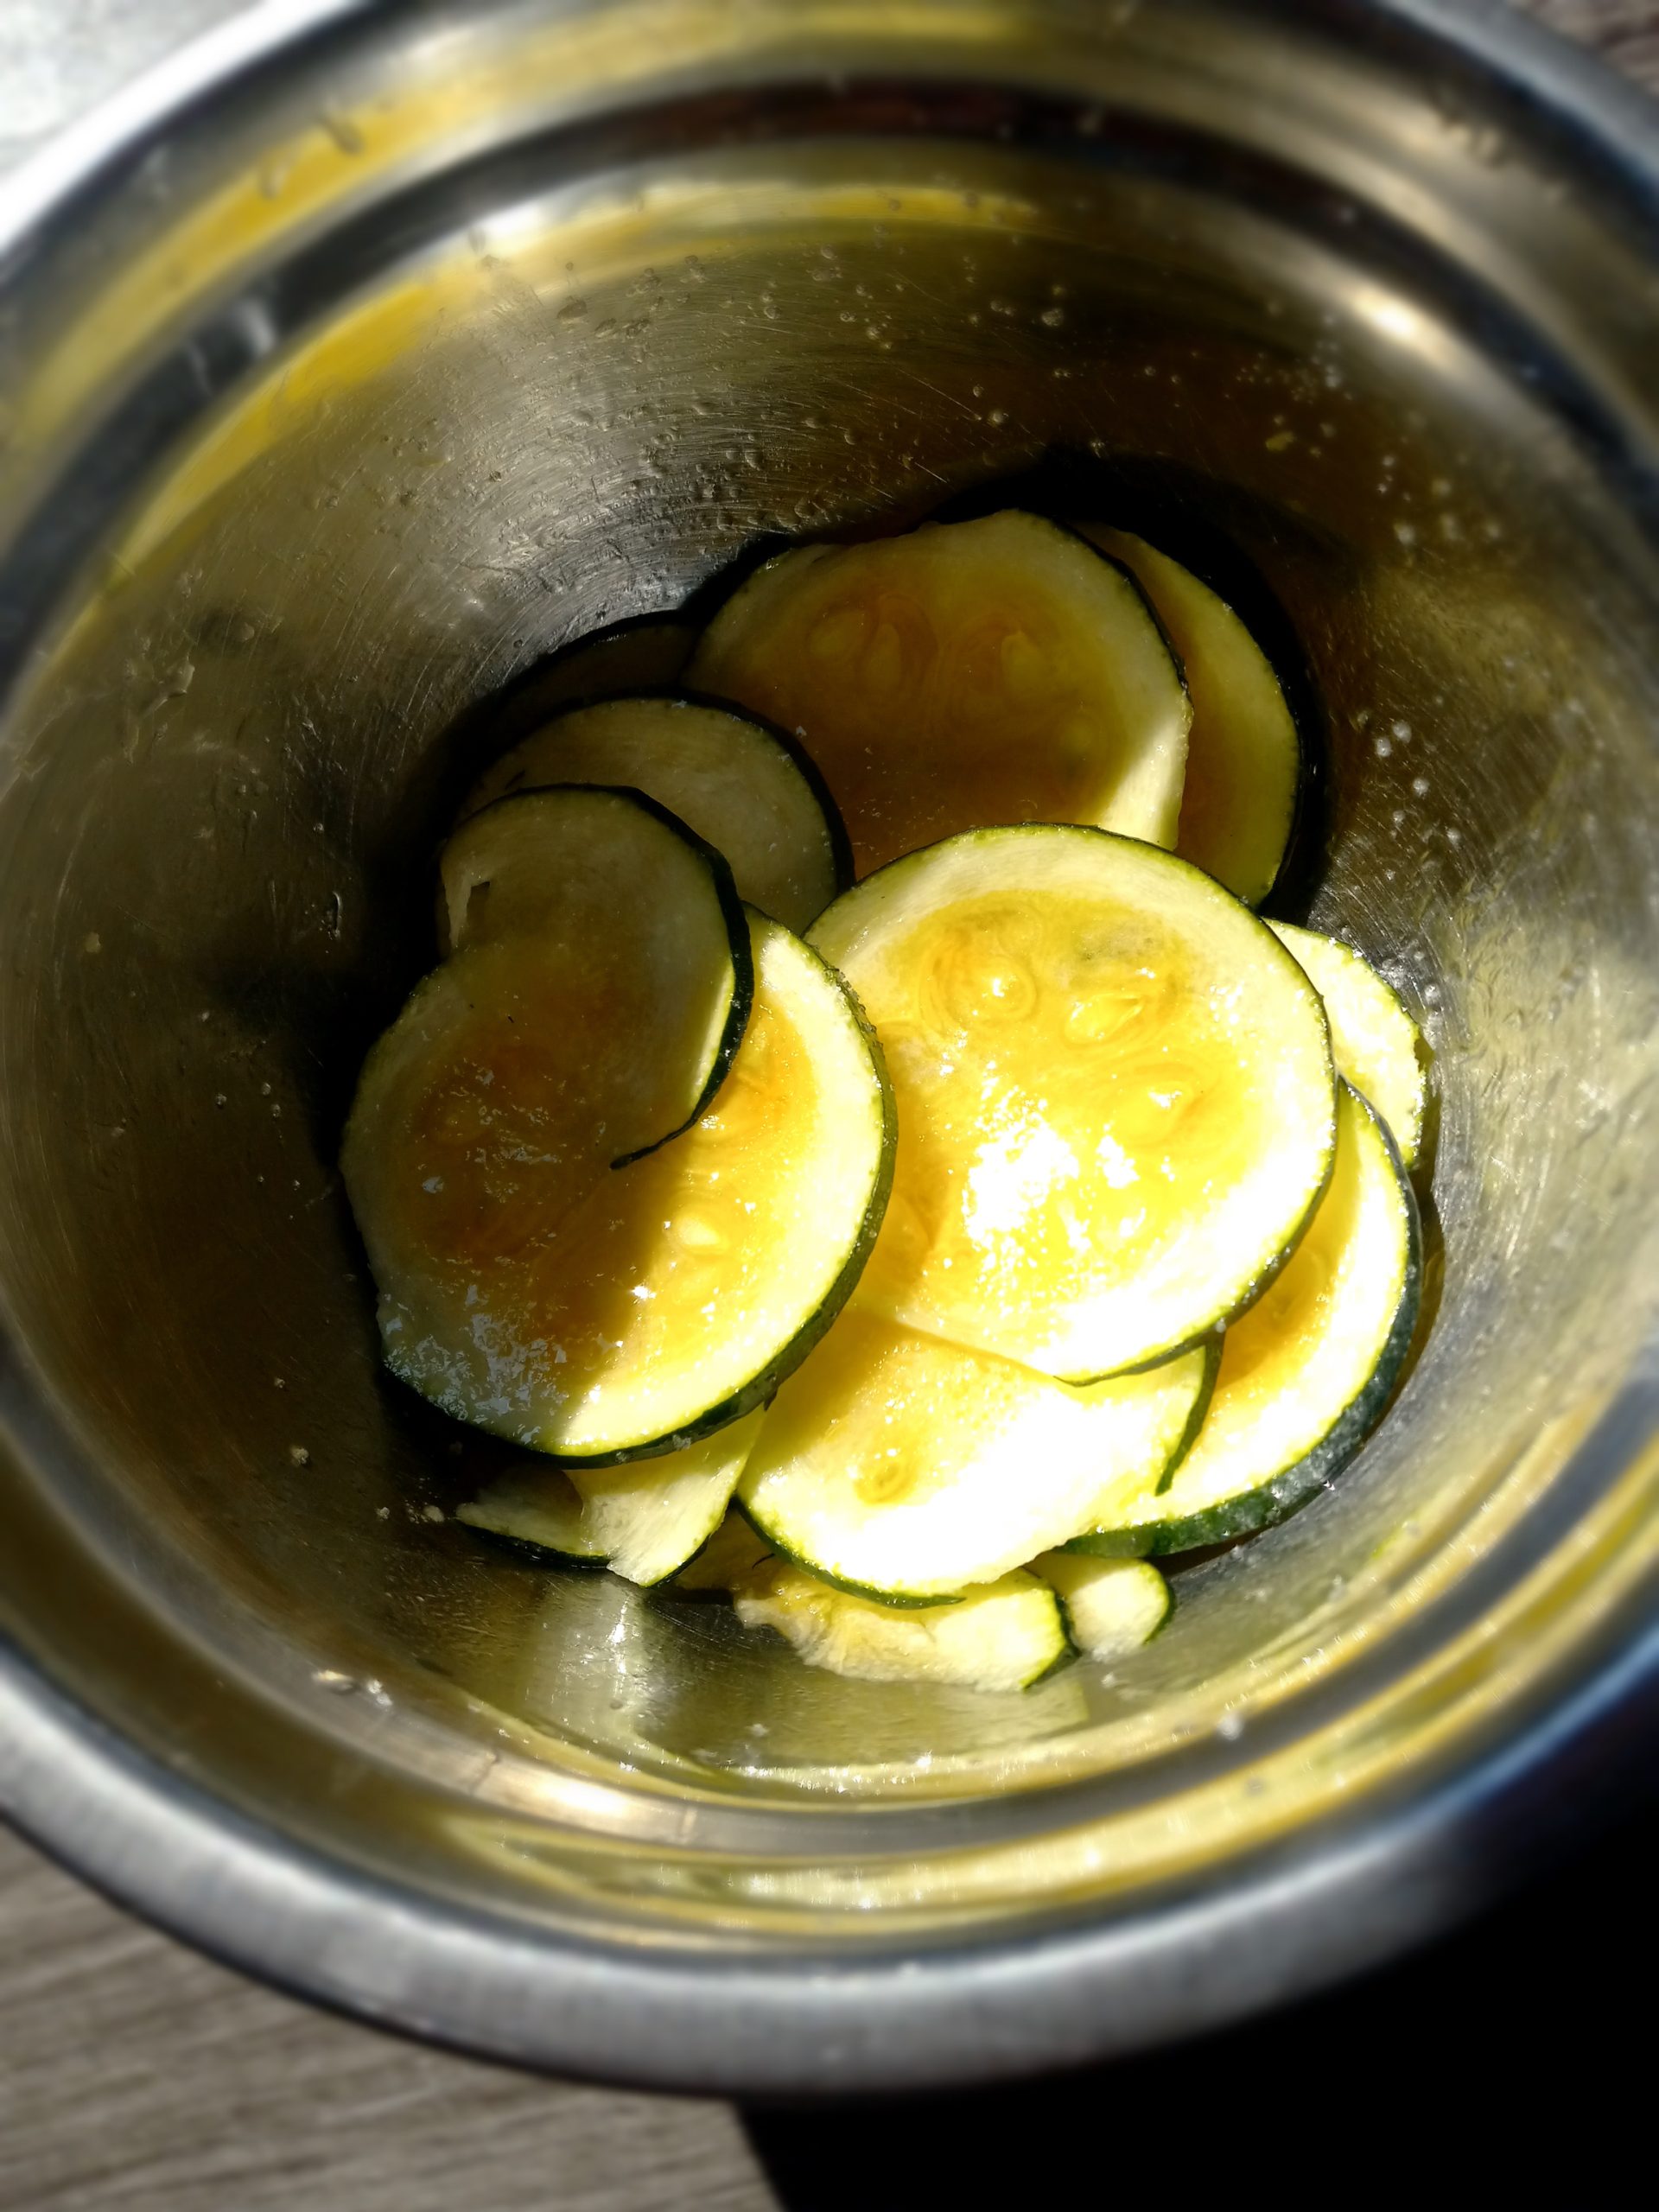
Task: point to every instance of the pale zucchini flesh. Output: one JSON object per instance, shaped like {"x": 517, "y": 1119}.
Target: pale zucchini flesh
{"x": 1378, "y": 1047}
{"x": 645, "y": 1521}
{"x": 619, "y": 891}
{"x": 903, "y": 1467}
{"x": 1306, "y": 1373}
{"x": 907, "y": 1468}
{"x": 1116, "y": 1106}
{"x": 1004, "y": 1636}
{"x": 596, "y": 1314}
{"x": 745, "y": 788}
{"x": 966, "y": 673}
{"x": 1112, "y": 1607}
{"x": 1243, "y": 756}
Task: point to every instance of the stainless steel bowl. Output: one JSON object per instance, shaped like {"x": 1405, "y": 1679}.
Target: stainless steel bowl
{"x": 358, "y": 359}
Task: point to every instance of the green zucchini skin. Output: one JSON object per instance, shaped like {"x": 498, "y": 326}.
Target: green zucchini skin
{"x": 1274, "y": 1264}
{"x": 1267, "y": 1503}
{"x": 731, "y": 910}
{"x": 1171, "y": 509}
{"x": 764, "y": 736}
{"x": 737, "y": 927}
{"x": 1061, "y": 1574}
{"x": 737, "y": 932}
{"x": 640, "y": 652}
{"x": 762, "y": 1386}
{"x": 898, "y": 1604}
{"x": 749, "y": 609}
{"x": 841, "y": 844}
{"x": 530, "y": 1554}
{"x": 1071, "y": 529}
{"x": 646, "y": 1530}
{"x": 1200, "y": 1408}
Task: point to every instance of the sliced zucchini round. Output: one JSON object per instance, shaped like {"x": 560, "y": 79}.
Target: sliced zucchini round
{"x": 1243, "y": 756}
{"x": 747, "y": 788}
{"x": 1306, "y": 1373}
{"x": 568, "y": 867}
{"x": 967, "y": 673}
{"x": 1112, "y": 1607}
{"x": 643, "y": 653}
{"x": 906, "y": 1468}
{"x": 1005, "y": 1636}
{"x": 644, "y": 1521}
{"x": 1376, "y": 1045}
{"x": 598, "y": 1316}
{"x": 1117, "y": 1108}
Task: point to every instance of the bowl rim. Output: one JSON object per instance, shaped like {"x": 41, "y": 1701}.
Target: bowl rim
{"x": 1339, "y": 1899}
{"x": 808, "y": 2026}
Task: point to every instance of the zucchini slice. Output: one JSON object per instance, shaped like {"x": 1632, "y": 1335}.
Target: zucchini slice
{"x": 1243, "y": 756}
{"x": 902, "y": 1467}
{"x": 644, "y": 652}
{"x": 598, "y": 1316}
{"x": 1306, "y": 1373}
{"x": 967, "y": 673}
{"x": 1112, "y": 1607}
{"x": 1117, "y": 1108}
{"x": 733, "y": 1550}
{"x": 1005, "y": 1636}
{"x": 568, "y": 867}
{"x": 1377, "y": 1047}
{"x": 747, "y": 789}
{"x": 643, "y": 1522}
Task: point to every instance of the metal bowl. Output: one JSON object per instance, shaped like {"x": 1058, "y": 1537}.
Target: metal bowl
{"x": 352, "y": 365}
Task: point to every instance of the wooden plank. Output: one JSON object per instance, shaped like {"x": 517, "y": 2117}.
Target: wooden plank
{"x": 138, "y": 2077}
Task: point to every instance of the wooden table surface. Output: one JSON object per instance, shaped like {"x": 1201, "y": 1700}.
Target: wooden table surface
{"x": 136, "y": 2076}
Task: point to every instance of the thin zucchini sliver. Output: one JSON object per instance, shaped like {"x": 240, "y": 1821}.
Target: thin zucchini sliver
{"x": 1243, "y": 754}
{"x": 966, "y": 673}
{"x": 1005, "y": 1636}
{"x": 601, "y": 1315}
{"x": 644, "y": 1520}
{"x": 1377, "y": 1045}
{"x": 898, "y": 1465}
{"x": 1306, "y": 1373}
{"x": 1117, "y": 1104}
{"x": 743, "y": 787}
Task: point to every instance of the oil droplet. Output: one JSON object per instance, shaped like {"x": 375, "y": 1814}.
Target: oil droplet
{"x": 344, "y": 132}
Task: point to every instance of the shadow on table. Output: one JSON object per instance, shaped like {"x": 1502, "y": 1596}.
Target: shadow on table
{"x": 1514, "y": 2059}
